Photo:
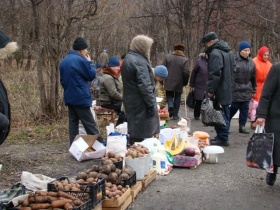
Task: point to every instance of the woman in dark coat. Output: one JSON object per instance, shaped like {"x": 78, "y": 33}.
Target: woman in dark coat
{"x": 198, "y": 82}
{"x": 244, "y": 84}
{"x": 268, "y": 114}
{"x": 139, "y": 97}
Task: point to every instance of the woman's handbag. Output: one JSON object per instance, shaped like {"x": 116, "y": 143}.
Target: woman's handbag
{"x": 211, "y": 116}
{"x": 190, "y": 100}
{"x": 260, "y": 150}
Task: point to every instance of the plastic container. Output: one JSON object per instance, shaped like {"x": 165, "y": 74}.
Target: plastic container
{"x": 131, "y": 181}
{"x": 159, "y": 161}
{"x": 147, "y": 163}
{"x": 138, "y": 165}
{"x": 95, "y": 191}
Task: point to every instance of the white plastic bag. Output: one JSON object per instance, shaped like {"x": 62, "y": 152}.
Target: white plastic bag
{"x": 35, "y": 181}
{"x": 117, "y": 144}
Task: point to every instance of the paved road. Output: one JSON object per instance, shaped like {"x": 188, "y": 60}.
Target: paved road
{"x": 229, "y": 184}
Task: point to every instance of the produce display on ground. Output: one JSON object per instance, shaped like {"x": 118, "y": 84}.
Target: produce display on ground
{"x": 110, "y": 178}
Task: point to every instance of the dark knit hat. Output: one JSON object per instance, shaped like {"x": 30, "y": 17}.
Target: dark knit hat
{"x": 113, "y": 61}
{"x": 80, "y": 44}
{"x": 4, "y": 39}
{"x": 98, "y": 65}
{"x": 161, "y": 71}
{"x": 208, "y": 37}
{"x": 179, "y": 47}
{"x": 243, "y": 45}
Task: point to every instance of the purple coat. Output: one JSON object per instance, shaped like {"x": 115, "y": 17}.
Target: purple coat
{"x": 199, "y": 78}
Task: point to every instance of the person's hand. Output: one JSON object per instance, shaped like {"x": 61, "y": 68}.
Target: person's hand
{"x": 211, "y": 95}
{"x": 151, "y": 111}
{"x": 260, "y": 121}
{"x": 91, "y": 89}
{"x": 88, "y": 57}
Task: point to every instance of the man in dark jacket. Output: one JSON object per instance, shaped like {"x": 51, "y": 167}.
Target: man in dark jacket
{"x": 139, "y": 97}
{"x": 76, "y": 73}
{"x": 178, "y": 76}
{"x": 7, "y": 47}
{"x": 220, "y": 80}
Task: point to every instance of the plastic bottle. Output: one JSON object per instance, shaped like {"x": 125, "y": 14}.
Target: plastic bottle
{"x": 163, "y": 164}
{"x": 156, "y": 161}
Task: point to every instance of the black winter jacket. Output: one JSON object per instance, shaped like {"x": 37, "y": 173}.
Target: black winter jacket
{"x": 220, "y": 72}
{"x": 244, "y": 79}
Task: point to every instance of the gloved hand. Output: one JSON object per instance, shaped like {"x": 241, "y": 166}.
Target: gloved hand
{"x": 151, "y": 111}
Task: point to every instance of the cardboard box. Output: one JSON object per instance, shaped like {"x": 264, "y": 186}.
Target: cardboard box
{"x": 86, "y": 147}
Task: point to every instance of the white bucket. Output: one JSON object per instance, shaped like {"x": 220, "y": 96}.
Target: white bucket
{"x": 138, "y": 165}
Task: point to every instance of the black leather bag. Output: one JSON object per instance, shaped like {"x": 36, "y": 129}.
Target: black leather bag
{"x": 260, "y": 150}
{"x": 212, "y": 113}
{"x": 190, "y": 100}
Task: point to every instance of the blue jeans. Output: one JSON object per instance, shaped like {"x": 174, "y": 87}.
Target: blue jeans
{"x": 174, "y": 100}
{"x": 243, "y": 108}
{"x": 222, "y": 132}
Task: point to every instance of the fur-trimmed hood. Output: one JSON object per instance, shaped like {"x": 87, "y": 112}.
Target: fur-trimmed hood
{"x": 142, "y": 44}
{"x": 7, "y": 46}
{"x": 10, "y": 48}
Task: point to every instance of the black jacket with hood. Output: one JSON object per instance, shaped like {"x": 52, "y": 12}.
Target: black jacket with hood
{"x": 221, "y": 72}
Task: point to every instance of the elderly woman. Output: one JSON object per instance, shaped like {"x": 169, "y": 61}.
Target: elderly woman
{"x": 139, "y": 97}
{"x": 111, "y": 88}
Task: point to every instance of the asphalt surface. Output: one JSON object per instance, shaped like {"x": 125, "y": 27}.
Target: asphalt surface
{"x": 229, "y": 184}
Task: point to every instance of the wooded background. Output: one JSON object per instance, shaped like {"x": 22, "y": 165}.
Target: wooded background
{"x": 46, "y": 29}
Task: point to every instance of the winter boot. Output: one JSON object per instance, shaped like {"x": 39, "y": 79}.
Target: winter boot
{"x": 271, "y": 177}
{"x": 242, "y": 129}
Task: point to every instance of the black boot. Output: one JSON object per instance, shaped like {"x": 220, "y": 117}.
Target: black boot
{"x": 271, "y": 177}
{"x": 242, "y": 129}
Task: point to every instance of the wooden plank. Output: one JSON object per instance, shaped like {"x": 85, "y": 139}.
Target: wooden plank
{"x": 98, "y": 207}
{"x": 148, "y": 179}
{"x": 136, "y": 189}
{"x": 117, "y": 202}
{"x": 122, "y": 207}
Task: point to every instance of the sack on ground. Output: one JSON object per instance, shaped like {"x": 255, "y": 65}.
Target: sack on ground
{"x": 211, "y": 116}
{"x": 260, "y": 150}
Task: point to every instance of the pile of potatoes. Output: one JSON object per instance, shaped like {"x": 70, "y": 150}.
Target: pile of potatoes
{"x": 111, "y": 157}
{"x": 78, "y": 185}
{"x": 108, "y": 171}
{"x": 49, "y": 200}
{"x": 114, "y": 191}
{"x": 137, "y": 151}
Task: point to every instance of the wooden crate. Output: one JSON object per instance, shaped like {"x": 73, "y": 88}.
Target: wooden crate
{"x": 136, "y": 189}
{"x": 117, "y": 202}
{"x": 148, "y": 179}
{"x": 124, "y": 206}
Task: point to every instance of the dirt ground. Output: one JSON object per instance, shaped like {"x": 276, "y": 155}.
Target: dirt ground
{"x": 47, "y": 156}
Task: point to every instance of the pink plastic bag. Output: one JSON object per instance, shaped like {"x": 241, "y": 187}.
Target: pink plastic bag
{"x": 252, "y": 110}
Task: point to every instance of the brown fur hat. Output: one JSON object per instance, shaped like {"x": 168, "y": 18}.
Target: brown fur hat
{"x": 179, "y": 47}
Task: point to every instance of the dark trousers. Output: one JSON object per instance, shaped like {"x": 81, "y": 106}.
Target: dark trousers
{"x": 174, "y": 100}
{"x": 84, "y": 114}
{"x": 116, "y": 106}
{"x": 197, "y": 107}
{"x": 243, "y": 108}
{"x": 222, "y": 132}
